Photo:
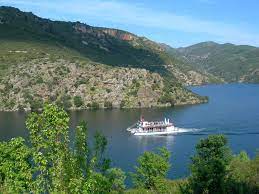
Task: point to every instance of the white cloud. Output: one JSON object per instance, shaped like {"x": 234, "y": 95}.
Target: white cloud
{"x": 138, "y": 15}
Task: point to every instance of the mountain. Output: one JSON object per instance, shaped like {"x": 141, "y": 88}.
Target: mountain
{"x": 80, "y": 66}
{"x": 232, "y": 63}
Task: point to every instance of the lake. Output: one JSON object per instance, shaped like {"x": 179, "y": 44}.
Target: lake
{"x": 233, "y": 110}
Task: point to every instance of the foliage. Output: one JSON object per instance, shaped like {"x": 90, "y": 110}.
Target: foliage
{"x": 122, "y": 104}
{"x": 243, "y": 174}
{"x": 15, "y": 168}
{"x": 209, "y": 165}
{"x": 152, "y": 168}
{"x": 64, "y": 101}
{"x": 108, "y": 104}
{"x": 51, "y": 165}
{"x": 78, "y": 101}
{"x": 29, "y": 42}
{"x": 94, "y": 105}
{"x": 231, "y": 62}
{"x": 49, "y": 138}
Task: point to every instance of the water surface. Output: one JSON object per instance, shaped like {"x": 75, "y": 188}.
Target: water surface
{"x": 232, "y": 110}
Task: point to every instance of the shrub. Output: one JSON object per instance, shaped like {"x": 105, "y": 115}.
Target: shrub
{"x": 122, "y": 104}
{"x": 108, "y": 104}
{"x": 39, "y": 80}
{"x": 152, "y": 169}
{"x": 166, "y": 98}
{"x": 108, "y": 90}
{"x": 78, "y": 102}
{"x": 80, "y": 82}
{"x": 95, "y": 105}
{"x": 64, "y": 102}
{"x": 36, "y": 104}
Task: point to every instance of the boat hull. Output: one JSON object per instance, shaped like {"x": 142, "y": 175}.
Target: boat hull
{"x": 168, "y": 131}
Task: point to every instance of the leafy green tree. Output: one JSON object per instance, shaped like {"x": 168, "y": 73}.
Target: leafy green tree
{"x": 49, "y": 139}
{"x": 81, "y": 151}
{"x": 243, "y": 175}
{"x": 100, "y": 143}
{"x": 51, "y": 164}
{"x": 151, "y": 169}
{"x": 209, "y": 165}
{"x": 116, "y": 179}
{"x": 15, "y": 168}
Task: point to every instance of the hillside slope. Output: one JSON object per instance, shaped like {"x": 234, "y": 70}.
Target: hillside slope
{"x": 229, "y": 62}
{"x": 79, "y": 66}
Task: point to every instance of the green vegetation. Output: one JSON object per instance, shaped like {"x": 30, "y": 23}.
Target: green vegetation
{"x": 133, "y": 90}
{"x": 78, "y": 102}
{"x": 49, "y": 165}
{"x": 110, "y": 50}
{"x": 57, "y": 60}
{"x": 93, "y": 105}
{"x": 230, "y": 62}
{"x": 152, "y": 170}
{"x": 52, "y": 162}
{"x": 108, "y": 104}
{"x": 64, "y": 101}
{"x": 209, "y": 165}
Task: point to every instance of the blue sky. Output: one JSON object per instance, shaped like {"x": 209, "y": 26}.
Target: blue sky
{"x": 174, "y": 22}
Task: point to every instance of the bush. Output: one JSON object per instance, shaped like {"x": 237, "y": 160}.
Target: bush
{"x": 108, "y": 90}
{"x": 122, "y": 104}
{"x": 95, "y": 105}
{"x": 166, "y": 98}
{"x": 243, "y": 174}
{"x": 80, "y": 82}
{"x": 36, "y": 104}
{"x": 78, "y": 102}
{"x": 108, "y": 104}
{"x": 64, "y": 102}
{"x": 152, "y": 169}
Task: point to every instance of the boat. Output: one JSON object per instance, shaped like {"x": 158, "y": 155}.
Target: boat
{"x": 143, "y": 127}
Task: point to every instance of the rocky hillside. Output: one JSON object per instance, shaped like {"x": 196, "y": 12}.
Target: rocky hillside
{"x": 229, "y": 62}
{"x": 102, "y": 45}
{"x": 34, "y": 73}
{"x": 80, "y": 66}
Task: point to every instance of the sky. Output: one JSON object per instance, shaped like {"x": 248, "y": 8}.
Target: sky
{"x": 175, "y": 22}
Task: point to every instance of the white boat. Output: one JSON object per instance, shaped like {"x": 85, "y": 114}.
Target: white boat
{"x": 143, "y": 127}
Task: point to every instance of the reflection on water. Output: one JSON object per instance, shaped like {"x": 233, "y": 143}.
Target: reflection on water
{"x": 232, "y": 110}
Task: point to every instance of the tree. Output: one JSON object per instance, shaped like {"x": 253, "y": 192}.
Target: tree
{"x": 152, "y": 167}
{"x": 78, "y": 101}
{"x": 15, "y": 167}
{"x": 209, "y": 165}
{"x": 51, "y": 164}
{"x": 49, "y": 139}
{"x": 116, "y": 179}
{"x": 243, "y": 174}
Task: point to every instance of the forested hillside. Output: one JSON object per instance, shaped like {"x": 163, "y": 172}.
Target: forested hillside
{"x": 232, "y": 63}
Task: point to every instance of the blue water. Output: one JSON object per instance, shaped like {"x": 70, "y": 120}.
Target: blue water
{"x": 232, "y": 110}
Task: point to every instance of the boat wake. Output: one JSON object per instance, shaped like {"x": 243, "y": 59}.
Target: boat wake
{"x": 195, "y": 131}
{"x": 187, "y": 130}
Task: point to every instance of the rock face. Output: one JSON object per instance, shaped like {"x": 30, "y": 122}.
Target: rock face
{"x": 120, "y": 34}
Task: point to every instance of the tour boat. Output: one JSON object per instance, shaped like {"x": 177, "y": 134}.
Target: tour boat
{"x": 143, "y": 127}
